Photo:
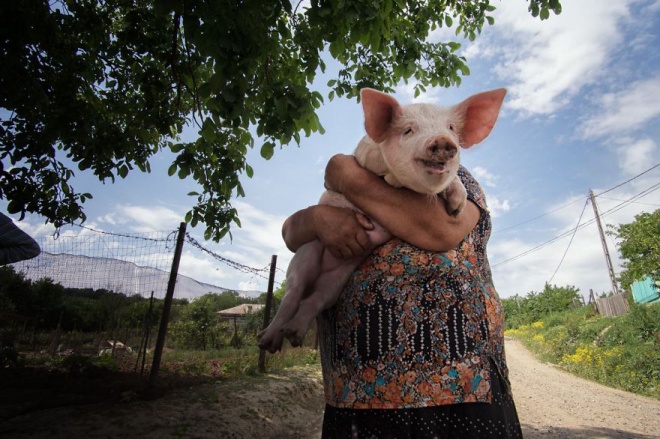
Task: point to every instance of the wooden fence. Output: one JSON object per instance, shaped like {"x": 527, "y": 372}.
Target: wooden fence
{"x": 612, "y": 306}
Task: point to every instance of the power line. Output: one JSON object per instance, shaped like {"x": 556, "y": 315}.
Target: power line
{"x": 580, "y": 199}
{"x": 617, "y": 199}
{"x": 628, "y": 181}
{"x": 539, "y": 216}
{"x": 569, "y": 242}
{"x": 556, "y": 238}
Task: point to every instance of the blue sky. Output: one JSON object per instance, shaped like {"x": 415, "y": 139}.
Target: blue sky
{"x": 582, "y": 113}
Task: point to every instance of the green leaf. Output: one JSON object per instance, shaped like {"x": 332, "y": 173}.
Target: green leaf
{"x": 172, "y": 170}
{"x": 454, "y": 46}
{"x": 208, "y": 131}
{"x": 249, "y": 171}
{"x": 14, "y": 207}
{"x": 122, "y": 171}
{"x": 267, "y": 150}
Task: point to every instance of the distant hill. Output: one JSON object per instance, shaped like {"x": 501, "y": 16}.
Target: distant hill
{"x": 75, "y": 271}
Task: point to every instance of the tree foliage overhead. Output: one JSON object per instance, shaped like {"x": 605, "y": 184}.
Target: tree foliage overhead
{"x": 103, "y": 85}
{"x": 639, "y": 246}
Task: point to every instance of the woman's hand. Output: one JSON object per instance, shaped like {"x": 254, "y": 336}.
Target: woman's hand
{"x": 342, "y": 231}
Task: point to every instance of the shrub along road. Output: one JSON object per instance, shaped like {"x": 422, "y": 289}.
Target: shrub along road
{"x": 551, "y": 404}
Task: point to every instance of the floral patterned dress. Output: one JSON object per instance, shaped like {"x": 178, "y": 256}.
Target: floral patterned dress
{"x": 414, "y": 338}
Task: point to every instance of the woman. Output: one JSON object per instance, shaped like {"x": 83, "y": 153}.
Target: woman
{"x": 414, "y": 347}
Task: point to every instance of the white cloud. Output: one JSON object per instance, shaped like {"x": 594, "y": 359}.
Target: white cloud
{"x": 497, "y": 207}
{"x": 636, "y": 155}
{"x": 250, "y": 286}
{"x": 259, "y": 228}
{"x": 553, "y": 60}
{"x": 484, "y": 176}
{"x": 626, "y": 110}
{"x": 145, "y": 218}
{"x": 407, "y": 91}
{"x": 203, "y": 268}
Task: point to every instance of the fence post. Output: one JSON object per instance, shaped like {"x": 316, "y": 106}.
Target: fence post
{"x": 167, "y": 306}
{"x": 269, "y": 304}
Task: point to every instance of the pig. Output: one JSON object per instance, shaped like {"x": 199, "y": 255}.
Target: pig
{"x": 415, "y": 146}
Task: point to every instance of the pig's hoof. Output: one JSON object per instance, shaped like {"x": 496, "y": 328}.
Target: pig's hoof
{"x": 455, "y": 205}
{"x": 269, "y": 342}
{"x": 295, "y": 341}
{"x": 294, "y": 336}
{"x": 454, "y": 211}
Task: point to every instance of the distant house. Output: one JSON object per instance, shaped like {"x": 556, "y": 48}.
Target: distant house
{"x": 238, "y": 313}
{"x": 645, "y": 291}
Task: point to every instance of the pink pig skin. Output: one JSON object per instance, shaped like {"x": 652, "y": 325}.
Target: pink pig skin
{"x": 415, "y": 146}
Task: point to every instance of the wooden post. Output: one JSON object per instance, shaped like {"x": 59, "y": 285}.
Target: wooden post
{"x": 167, "y": 306}
{"x": 269, "y": 304}
{"x": 145, "y": 336}
{"x": 610, "y": 269}
{"x": 592, "y": 299}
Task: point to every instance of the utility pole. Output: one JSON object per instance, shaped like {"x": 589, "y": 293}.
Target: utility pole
{"x": 615, "y": 289}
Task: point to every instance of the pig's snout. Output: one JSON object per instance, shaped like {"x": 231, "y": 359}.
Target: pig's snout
{"x": 441, "y": 149}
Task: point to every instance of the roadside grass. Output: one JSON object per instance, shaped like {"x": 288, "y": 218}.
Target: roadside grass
{"x": 621, "y": 352}
{"x": 232, "y": 362}
{"x": 225, "y": 363}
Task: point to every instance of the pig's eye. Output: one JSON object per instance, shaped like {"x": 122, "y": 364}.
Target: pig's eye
{"x": 451, "y": 127}
{"x": 407, "y": 131}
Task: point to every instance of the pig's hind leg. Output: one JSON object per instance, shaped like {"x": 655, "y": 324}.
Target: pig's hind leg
{"x": 323, "y": 295}
{"x": 304, "y": 268}
{"x": 328, "y": 287}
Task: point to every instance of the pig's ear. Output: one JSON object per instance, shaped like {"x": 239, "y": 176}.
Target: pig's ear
{"x": 380, "y": 110}
{"x": 479, "y": 114}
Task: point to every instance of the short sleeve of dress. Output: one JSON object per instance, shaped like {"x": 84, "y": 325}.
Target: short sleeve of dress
{"x": 474, "y": 191}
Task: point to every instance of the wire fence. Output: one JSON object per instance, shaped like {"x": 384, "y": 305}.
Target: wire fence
{"x": 128, "y": 264}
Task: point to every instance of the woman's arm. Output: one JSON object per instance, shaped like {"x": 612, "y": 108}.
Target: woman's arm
{"x": 342, "y": 231}
{"x": 416, "y": 218}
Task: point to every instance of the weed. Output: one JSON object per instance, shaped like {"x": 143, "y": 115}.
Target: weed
{"x": 620, "y": 352}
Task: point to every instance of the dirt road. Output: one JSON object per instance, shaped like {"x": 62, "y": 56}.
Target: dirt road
{"x": 554, "y": 404}
{"x": 551, "y": 404}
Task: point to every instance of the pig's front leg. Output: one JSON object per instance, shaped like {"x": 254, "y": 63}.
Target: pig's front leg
{"x": 304, "y": 268}
{"x": 456, "y": 196}
{"x": 323, "y": 295}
